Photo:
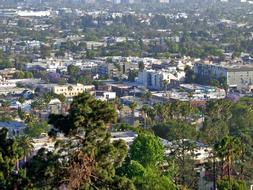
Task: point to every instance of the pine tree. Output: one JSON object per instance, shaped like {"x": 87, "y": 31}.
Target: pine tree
{"x": 87, "y": 159}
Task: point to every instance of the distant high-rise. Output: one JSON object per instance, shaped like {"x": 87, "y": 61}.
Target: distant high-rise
{"x": 116, "y": 1}
{"x": 164, "y": 1}
{"x": 177, "y": 1}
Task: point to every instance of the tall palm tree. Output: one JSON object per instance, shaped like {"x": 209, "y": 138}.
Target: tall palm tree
{"x": 227, "y": 149}
{"x": 133, "y": 106}
{"x": 190, "y": 96}
{"x": 220, "y": 109}
{"x": 144, "y": 110}
{"x": 25, "y": 144}
{"x": 146, "y": 96}
{"x": 120, "y": 108}
{"x": 165, "y": 85}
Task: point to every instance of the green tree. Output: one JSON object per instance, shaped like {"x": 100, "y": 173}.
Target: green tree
{"x": 240, "y": 126}
{"x": 9, "y": 155}
{"x": 62, "y": 98}
{"x": 146, "y": 96}
{"x": 5, "y": 61}
{"x": 74, "y": 73}
{"x": 182, "y": 150}
{"x": 132, "y": 168}
{"x": 28, "y": 75}
{"x": 213, "y": 131}
{"x": 19, "y": 75}
{"x": 45, "y": 51}
{"x": 44, "y": 170}
{"x": 141, "y": 65}
{"x": 90, "y": 54}
{"x": 216, "y": 124}
{"x": 91, "y": 158}
{"x": 143, "y": 166}
{"x": 25, "y": 145}
{"x": 227, "y": 150}
{"x": 133, "y": 106}
{"x": 233, "y": 184}
{"x": 165, "y": 86}
{"x": 175, "y": 130}
{"x": 21, "y": 100}
{"x": 154, "y": 181}
{"x": 36, "y": 128}
{"x": 132, "y": 75}
{"x": 190, "y": 77}
{"x": 147, "y": 150}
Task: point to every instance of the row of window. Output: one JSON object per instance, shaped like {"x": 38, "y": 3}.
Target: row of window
{"x": 71, "y": 94}
{"x": 66, "y": 89}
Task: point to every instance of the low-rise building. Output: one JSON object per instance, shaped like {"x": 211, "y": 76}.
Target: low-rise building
{"x": 7, "y": 84}
{"x": 12, "y": 91}
{"x": 204, "y": 92}
{"x": 71, "y": 90}
{"x": 14, "y": 127}
{"x": 105, "y": 95}
{"x": 55, "y": 106}
{"x": 7, "y": 73}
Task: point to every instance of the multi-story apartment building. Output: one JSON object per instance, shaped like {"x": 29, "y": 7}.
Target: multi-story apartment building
{"x": 154, "y": 80}
{"x": 238, "y": 77}
{"x": 114, "y": 70}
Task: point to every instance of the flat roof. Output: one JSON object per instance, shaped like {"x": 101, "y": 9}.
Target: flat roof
{"x": 12, "y": 124}
{"x": 231, "y": 67}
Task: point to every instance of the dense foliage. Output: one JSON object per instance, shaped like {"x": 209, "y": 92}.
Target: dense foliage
{"x": 86, "y": 158}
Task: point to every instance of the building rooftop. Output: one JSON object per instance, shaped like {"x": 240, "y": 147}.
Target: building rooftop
{"x": 233, "y": 67}
{"x": 12, "y": 124}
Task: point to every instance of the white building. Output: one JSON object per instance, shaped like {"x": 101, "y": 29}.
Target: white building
{"x": 7, "y": 84}
{"x": 154, "y": 80}
{"x": 27, "y": 13}
{"x": 70, "y": 90}
{"x": 204, "y": 92}
{"x": 104, "y": 95}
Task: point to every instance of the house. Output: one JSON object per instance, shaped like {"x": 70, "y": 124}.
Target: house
{"x": 121, "y": 89}
{"x": 7, "y": 73}
{"x": 27, "y": 94}
{"x": 204, "y": 92}
{"x": 55, "y": 106}
{"x": 105, "y": 95}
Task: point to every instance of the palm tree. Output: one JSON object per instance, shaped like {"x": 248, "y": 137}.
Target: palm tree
{"x": 6, "y": 105}
{"x": 190, "y": 96}
{"x": 227, "y": 149}
{"x": 133, "y": 106}
{"x": 220, "y": 109}
{"x": 120, "y": 108}
{"x": 151, "y": 113}
{"x": 25, "y": 144}
{"x": 144, "y": 111}
{"x": 165, "y": 84}
{"x": 146, "y": 96}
